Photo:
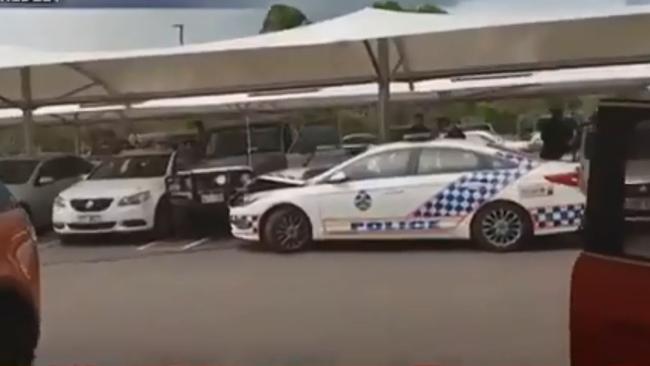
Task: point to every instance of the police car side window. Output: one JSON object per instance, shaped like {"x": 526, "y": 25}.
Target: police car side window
{"x": 441, "y": 161}
{"x": 386, "y": 164}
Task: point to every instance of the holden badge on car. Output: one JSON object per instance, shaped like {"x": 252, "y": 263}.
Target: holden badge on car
{"x": 363, "y": 201}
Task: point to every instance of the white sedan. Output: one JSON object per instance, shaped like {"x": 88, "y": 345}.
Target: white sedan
{"x": 125, "y": 194}
{"x": 439, "y": 189}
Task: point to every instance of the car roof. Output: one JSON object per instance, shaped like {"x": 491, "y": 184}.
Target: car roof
{"x": 39, "y": 157}
{"x": 448, "y": 143}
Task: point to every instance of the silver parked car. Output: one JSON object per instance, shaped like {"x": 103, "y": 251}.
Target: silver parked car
{"x": 36, "y": 181}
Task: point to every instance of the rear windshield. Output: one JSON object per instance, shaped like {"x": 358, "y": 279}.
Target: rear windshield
{"x": 125, "y": 167}
{"x": 16, "y": 171}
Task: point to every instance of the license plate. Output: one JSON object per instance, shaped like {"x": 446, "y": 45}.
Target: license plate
{"x": 174, "y": 187}
{"x": 212, "y": 198}
{"x": 637, "y": 204}
{"x": 89, "y": 219}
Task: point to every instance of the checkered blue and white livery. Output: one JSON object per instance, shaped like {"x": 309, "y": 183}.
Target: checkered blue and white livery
{"x": 558, "y": 216}
{"x": 472, "y": 190}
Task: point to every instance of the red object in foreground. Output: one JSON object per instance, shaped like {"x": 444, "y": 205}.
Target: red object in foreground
{"x": 610, "y": 312}
{"x": 569, "y": 179}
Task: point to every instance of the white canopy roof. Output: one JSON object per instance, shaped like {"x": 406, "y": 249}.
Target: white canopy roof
{"x": 602, "y": 79}
{"x": 333, "y": 52}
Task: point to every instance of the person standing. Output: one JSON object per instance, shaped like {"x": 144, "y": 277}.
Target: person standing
{"x": 418, "y": 125}
{"x": 556, "y": 136}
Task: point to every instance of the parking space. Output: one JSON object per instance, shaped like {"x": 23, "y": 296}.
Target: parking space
{"x": 212, "y": 300}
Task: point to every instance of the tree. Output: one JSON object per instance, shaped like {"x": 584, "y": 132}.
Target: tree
{"x": 388, "y": 5}
{"x": 281, "y": 17}
{"x": 430, "y": 8}
{"x": 395, "y": 6}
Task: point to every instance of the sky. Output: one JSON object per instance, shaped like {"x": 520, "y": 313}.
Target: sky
{"x": 64, "y": 26}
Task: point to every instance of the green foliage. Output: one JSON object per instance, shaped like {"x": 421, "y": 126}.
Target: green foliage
{"x": 395, "y": 6}
{"x": 280, "y": 17}
{"x": 430, "y": 8}
{"x": 388, "y": 5}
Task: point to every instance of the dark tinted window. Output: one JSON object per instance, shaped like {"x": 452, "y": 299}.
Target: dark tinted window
{"x": 58, "y": 168}
{"x": 7, "y": 201}
{"x": 234, "y": 141}
{"x": 146, "y": 166}
{"x": 311, "y": 137}
{"x": 381, "y": 165}
{"x": 16, "y": 171}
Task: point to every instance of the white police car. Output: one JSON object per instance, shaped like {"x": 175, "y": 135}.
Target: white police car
{"x": 419, "y": 190}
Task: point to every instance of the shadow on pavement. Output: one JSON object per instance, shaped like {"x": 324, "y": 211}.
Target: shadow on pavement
{"x": 550, "y": 243}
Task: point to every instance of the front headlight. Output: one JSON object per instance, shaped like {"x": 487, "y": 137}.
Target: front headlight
{"x": 59, "y": 202}
{"x": 220, "y": 179}
{"x": 136, "y": 199}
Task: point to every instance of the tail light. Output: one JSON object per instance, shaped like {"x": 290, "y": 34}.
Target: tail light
{"x": 571, "y": 179}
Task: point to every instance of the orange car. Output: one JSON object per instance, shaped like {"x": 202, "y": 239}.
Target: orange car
{"x": 19, "y": 284}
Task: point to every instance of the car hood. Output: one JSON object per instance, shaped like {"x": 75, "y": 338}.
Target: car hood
{"x": 233, "y": 162}
{"x": 20, "y": 191}
{"x": 293, "y": 176}
{"x": 111, "y": 188}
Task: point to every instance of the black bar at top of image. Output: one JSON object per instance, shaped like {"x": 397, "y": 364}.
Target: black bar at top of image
{"x": 68, "y": 4}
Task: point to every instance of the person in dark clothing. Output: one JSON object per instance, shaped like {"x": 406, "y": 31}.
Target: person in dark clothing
{"x": 418, "y": 125}
{"x": 455, "y": 132}
{"x": 557, "y": 134}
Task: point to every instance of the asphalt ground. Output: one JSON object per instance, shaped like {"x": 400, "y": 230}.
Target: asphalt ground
{"x": 217, "y": 301}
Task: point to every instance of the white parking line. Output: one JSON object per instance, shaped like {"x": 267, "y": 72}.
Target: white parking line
{"x": 195, "y": 244}
{"x": 148, "y": 245}
{"x": 49, "y": 243}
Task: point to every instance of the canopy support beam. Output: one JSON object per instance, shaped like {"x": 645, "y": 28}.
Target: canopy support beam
{"x": 107, "y": 87}
{"x": 78, "y": 90}
{"x": 404, "y": 62}
{"x": 9, "y": 102}
{"x": 28, "y": 111}
{"x": 383, "y": 79}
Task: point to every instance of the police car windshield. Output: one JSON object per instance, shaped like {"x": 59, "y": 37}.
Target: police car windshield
{"x": 126, "y": 167}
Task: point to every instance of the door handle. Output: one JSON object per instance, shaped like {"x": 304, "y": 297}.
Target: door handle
{"x": 395, "y": 191}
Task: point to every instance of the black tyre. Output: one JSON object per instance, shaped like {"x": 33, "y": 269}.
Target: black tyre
{"x": 19, "y": 330}
{"x": 163, "y": 221}
{"x": 501, "y": 227}
{"x": 181, "y": 225}
{"x": 287, "y": 229}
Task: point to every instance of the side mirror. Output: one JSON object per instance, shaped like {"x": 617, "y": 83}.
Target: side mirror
{"x": 45, "y": 180}
{"x": 338, "y": 177}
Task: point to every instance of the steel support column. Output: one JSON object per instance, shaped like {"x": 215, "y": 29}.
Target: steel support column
{"x": 27, "y": 108}
{"x": 383, "y": 79}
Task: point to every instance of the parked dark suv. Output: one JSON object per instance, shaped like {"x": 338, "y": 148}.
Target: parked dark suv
{"x": 210, "y": 172}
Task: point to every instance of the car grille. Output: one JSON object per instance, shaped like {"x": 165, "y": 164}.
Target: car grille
{"x": 207, "y": 181}
{"x": 98, "y": 226}
{"x": 91, "y": 205}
